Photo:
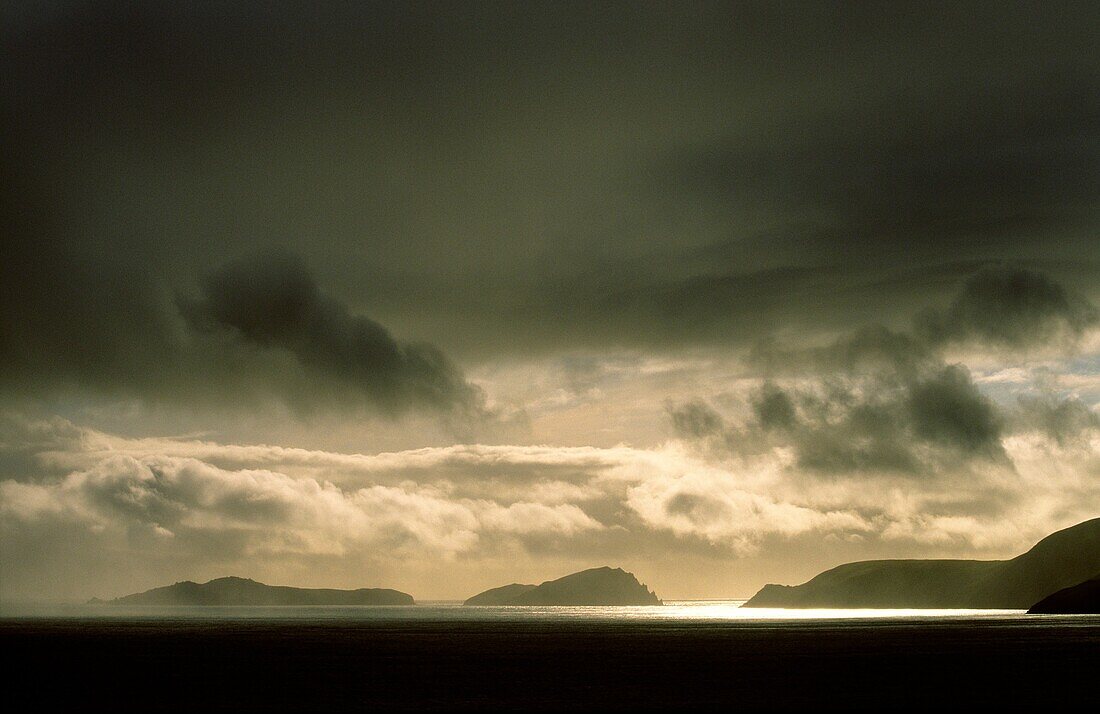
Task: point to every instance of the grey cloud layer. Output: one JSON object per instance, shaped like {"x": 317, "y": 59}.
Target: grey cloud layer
{"x": 495, "y": 181}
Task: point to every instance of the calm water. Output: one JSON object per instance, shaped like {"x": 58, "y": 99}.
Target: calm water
{"x": 702, "y": 655}
{"x": 444, "y": 611}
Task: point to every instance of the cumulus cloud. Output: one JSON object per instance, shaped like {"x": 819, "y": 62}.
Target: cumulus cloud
{"x": 996, "y": 309}
{"x": 773, "y": 408}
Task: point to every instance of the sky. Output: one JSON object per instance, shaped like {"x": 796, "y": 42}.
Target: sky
{"x": 442, "y": 296}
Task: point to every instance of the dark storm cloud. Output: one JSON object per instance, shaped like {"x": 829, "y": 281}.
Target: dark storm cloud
{"x": 948, "y": 409}
{"x": 497, "y": 177}
{"x": 272, "y": 302}
{"x": 774, "y": 409}
{"x": 261, "y": 330}
{"x": 1015, "y": 309}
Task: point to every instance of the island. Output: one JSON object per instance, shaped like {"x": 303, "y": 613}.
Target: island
{"x": 1058, "y": 561}
{"x": 243, "y": 591}
{"x": 597, "y": 586}
{"x": 504, "y": 595}
{"x": 1080, "y": 599}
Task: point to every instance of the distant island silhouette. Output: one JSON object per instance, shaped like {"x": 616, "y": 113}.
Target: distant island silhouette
{"x": 597, "y": 586}
{"x": 1060, "y": 560}
{"x": 500, "y": 596}
{"x": 1080, "y": 599}
{"x": 243, "y": 591}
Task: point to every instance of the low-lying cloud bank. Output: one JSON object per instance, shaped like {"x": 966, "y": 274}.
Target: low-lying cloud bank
{"x": 186, "y": 503}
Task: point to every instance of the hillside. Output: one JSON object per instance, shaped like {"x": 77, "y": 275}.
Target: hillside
{"x": 1083, "y": 598}
{"x": 500, "y": 596}
{"x": 1060, "y": 560}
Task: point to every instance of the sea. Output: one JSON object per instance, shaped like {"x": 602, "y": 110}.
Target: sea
{"x": 441, "y": 656}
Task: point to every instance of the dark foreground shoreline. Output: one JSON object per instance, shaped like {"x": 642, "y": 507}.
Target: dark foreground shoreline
{"x": 255, "y": 665}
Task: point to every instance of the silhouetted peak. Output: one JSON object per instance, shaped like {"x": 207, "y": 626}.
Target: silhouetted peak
{"x": 596, "y": 586}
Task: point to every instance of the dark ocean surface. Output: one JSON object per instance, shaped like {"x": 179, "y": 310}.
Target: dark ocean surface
{"x": 445, "y": 657}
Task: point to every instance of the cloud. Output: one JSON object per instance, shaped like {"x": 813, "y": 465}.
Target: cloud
{"x": 773, "y": 408}
{"x": 993, "y": 309}
{"x": 948, "y": 409}
{"x": 880, "y": 424}
{"x": 707, "y": 503}
{"x": 261, "y": 332}
{"x": 1063, "y": 420}
{"x": 160, "y": 505}
{"x": 813, "y": 179}
{"x": 880, "y": 401}
{"x": 922, "y": 425}
{"x": 695, "y": 419}
{"x": 274, "y": 514}
{"x": 663, "y": 197}
{"x": 1018, "y": 308}
{"x": 436, "y": 503}
{"x": 272, "y": 302}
